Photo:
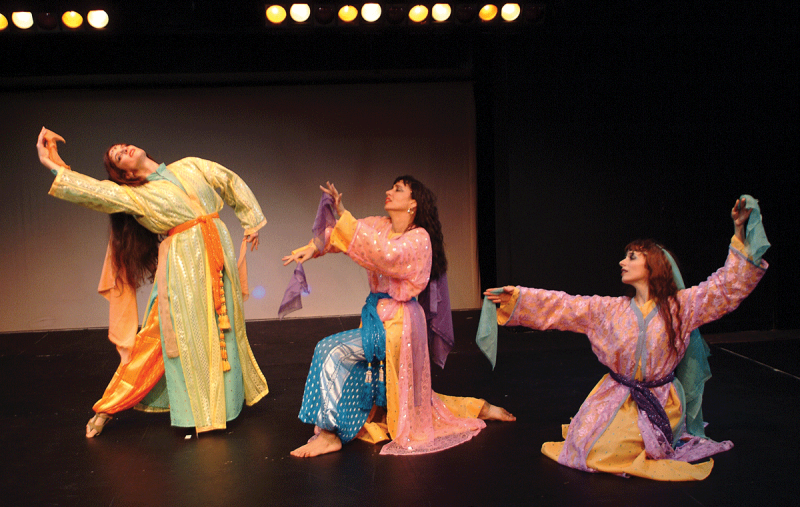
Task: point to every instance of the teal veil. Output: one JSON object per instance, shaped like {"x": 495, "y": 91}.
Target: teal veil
{"x": 693, "y": 370}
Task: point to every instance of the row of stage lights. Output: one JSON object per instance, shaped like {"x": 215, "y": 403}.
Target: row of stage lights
{"x": 399, "y": 13}
{"x": 71, "y": 20}
{"x": 323, "y": 13}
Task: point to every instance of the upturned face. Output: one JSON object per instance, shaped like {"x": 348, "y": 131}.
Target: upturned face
{"x": 398, "y": 198}
{"x": 634, "y": 268}
{"x": 128, "y": 158}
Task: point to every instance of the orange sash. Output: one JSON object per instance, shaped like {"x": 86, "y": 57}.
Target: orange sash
{"x": 216, "y": 261}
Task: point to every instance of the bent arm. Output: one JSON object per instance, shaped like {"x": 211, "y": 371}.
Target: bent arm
{"x": 236, "y": 194}
{"x": 366, "y": 241}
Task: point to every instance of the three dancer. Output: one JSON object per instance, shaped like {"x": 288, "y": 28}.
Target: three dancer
{"x": 374, "y": 382}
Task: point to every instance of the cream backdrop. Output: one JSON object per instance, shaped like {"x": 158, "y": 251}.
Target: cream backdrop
{"x": 282, "y": 140}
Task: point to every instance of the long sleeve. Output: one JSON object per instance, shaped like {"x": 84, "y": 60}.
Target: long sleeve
{"x": 104, "y": 196}
{"x": 404, "y": 260}
{"x": 544, "y": 309}
{"x": 399, "y": 265}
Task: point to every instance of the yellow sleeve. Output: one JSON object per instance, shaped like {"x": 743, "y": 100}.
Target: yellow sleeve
{"x": 741, "y": 247}
{"x": 343, "y": 233}
{"x": 505, "y": 310}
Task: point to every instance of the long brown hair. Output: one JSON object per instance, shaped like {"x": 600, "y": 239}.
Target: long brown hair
{"x": 661, "y": 284}
{"x": 427, "y": 217}
{"x": 134, "y": 247}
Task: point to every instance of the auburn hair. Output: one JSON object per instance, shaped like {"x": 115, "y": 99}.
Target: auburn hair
{"x": 662, "y": 287}
{"x": 134, "y": 248}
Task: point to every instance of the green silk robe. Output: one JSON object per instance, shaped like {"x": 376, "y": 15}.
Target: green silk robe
{"x": 195, "y": 377}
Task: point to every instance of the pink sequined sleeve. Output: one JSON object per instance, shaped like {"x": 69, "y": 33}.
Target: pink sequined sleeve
{"x": 722, "y": 292}
{"x": 546, "y": 309}
{"x": 406, "y": 257}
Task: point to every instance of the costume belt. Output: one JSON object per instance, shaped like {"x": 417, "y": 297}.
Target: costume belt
{"x": 373, "y": 340}
{"x": 646, "y": 400}
{"x": 216, "y": 261}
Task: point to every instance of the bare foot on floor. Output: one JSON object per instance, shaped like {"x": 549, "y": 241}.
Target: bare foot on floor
{"x": 324, "y": 443}
{"x": 491, "y": 412}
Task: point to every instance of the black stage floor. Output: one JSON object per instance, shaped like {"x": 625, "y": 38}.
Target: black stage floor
{"x": 51, "y": 379}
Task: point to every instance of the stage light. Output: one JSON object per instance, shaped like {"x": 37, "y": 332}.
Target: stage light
{"x": 371, "y": 12}
{"x": 23, "y": 20}
{"x": 510, "y": 12}
{"x": 3, "y": 22}
{"x": 488, "y": 12}
{"x": 418, "y": 13}
{"x": 348, "y": 13}
{"x": 324, "y": 14}
{"x": 97, "y": 19}
{"x": 72, "y": 19}
{"x": 47, "y": 20}
{"x": 276, "y": 14}
{"x": 441, "y": 12}
{"x": 465, "y": 13}
{"x": 300, "y": 12}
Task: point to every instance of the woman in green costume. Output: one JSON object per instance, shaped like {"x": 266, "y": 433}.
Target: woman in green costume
{"x": 191, "y": 356}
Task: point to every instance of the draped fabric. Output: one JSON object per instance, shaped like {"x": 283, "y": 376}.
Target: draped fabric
{"x": 399, "y": 265}
{"x": 435, "y": 301}
{"x": 634, "y": 346}
{"x": 188, "y": 189}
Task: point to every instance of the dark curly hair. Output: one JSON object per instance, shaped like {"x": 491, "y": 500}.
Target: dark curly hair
{"x": 661, "y": 284}
{"x": 427, "y": 217}
{"x": 134, "y": 247}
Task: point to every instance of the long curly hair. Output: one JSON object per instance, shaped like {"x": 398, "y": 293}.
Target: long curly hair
{"x": 427, "y": 217}
{"x": 134, "y": 248}
{"x": 661, "y": 284}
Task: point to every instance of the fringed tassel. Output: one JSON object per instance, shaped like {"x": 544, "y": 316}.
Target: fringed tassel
{"x": 226, "y": 366}
{"x": 224, "y": 321}
{"x": 380, "y": 397}
{"x": 367, "y": 393}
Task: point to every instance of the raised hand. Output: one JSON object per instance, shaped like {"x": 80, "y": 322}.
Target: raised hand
{"x": 740, "y": 214}
{"x": 48, "y": 150}
{"x": 330, "y": 189}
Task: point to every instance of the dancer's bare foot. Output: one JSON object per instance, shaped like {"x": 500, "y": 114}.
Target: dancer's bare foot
{"x": 491, "y": 412}
{"x": 323, "y": 443}
{"x": 96, "y": 424}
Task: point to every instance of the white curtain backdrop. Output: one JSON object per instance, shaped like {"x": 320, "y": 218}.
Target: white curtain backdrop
{"x": 284, "y": 141}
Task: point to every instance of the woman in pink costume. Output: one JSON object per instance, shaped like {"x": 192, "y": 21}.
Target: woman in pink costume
{"x": 634, "y": 420}
{"x": 374, "y": 382}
